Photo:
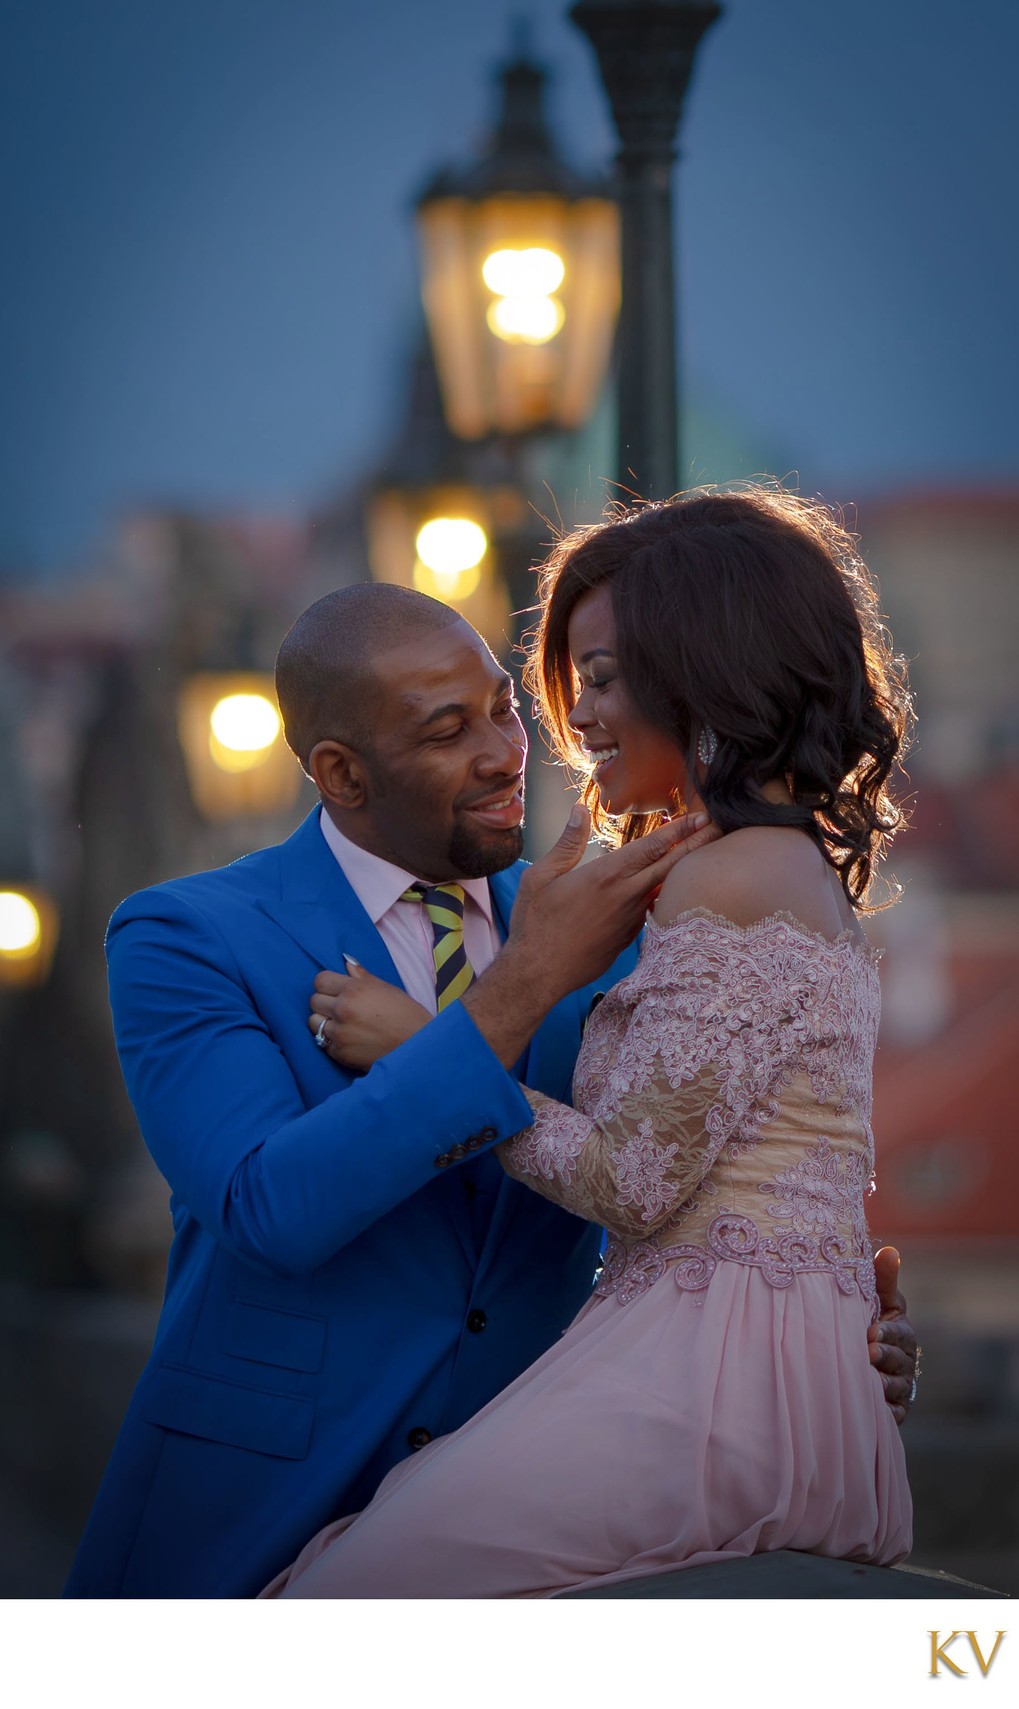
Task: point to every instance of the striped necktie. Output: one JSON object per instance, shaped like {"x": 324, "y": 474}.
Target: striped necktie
{"x": 444, "y": 905}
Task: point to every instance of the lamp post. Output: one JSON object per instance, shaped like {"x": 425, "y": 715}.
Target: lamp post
{"x": 645, "y": 52}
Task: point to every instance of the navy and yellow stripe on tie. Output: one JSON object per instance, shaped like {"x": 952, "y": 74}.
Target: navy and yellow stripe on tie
{"x": 444, "y": 905}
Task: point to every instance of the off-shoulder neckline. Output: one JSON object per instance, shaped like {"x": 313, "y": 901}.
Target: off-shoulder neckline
{"x": 846, "y": 939}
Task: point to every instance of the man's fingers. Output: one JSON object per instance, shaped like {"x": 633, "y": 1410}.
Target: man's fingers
{"x": 653, "y": 877}
{"x": 895, "y": 1332}
{"x": 647, "y": 851}
{"x": 886, "y": 1275}
{"x": 573, "y": 838}
{"x": 567, "y": 850}
{"x": 892, "y": 1361}
{"x": 661, "y": 848}
{"x": 896, "y": 1390}
{"x": 892, "y": 1346}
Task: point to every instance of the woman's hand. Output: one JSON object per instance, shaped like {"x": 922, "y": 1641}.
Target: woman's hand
{"x": 360, "y": 1018}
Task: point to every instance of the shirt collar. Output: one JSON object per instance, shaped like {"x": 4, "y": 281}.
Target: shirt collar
{"x": 378, "y": 884}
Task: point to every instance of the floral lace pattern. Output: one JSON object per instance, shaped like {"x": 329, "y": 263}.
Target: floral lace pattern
{"x": 821, "y": 1192}
{"x": 641, "y": 1167}
{"x": 725, "y": 1084}
{"x": 629, "y": 1271}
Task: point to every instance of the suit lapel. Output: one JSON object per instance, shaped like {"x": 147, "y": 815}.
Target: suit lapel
{"x": 319, "y": 909}
{"x": 503, "y": 888}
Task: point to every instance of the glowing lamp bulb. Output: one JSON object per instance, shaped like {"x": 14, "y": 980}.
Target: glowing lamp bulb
{"x": 20, "y": 925}
{"x": 242, "y": 730}
{"x": 246, "y": 723}
{"x": 451, "y": 543}
{"x": 525, "y": 320}
{"x": 449, "y": 554}
{"x": 523, "y": 272}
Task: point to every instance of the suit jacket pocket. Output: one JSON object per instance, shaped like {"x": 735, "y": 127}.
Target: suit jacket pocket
{"x": 217, "y": 1410}
{"x": 271, "y": 1337}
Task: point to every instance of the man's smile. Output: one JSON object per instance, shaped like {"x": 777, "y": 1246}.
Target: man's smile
{"x": 503, "y": 811}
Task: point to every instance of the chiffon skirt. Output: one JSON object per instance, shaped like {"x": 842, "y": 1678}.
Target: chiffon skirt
{"x": 674, "y": 1430}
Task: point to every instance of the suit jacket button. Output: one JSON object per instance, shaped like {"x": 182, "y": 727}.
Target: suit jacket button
{"x": 487, "y": 1133}
{"x": 474, "y": 1142}
{"x": 443, "y": 1161}
{"x": 456, "y": 1152}
{"x": 418, "y": 1438}
{"x": 476, "y": 1321}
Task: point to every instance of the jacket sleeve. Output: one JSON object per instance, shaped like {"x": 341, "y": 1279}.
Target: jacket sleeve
{"x": 649, "y": 1136}
{"x": 275, "y": 1181}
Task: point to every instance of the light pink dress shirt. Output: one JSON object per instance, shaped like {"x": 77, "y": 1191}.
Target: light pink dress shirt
{"x": 404, "y": 927}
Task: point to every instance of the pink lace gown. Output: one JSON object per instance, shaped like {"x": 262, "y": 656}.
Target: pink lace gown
{"x": 714, "y": 1398}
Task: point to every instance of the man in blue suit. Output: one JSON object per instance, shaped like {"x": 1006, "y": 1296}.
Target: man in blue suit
{"x": 351, "y": 1273}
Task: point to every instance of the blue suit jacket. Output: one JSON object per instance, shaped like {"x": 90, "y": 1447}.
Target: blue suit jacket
{"x": 335, "y": 1287}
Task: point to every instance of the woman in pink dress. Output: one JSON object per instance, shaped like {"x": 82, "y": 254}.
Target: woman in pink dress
{"x": 715, "y": 1397}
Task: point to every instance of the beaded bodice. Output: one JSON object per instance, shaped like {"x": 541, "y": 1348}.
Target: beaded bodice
{"x": 723, "y": 1105}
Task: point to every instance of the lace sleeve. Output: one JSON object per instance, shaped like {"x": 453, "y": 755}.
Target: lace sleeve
{"x": 649, "y": 1091}
{"x": 686, "y": 1056}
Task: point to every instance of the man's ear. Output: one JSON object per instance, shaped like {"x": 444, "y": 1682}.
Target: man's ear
{"x": 339, "y": 774}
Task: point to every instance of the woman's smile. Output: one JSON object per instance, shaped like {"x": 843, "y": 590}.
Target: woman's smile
{"x": 637, "y": 766}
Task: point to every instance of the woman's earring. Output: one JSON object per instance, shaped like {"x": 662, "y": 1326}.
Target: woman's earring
{"x": 707, "y": 745}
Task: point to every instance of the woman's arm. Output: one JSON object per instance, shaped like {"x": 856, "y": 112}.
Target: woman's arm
{"x": 648, "y": 1140}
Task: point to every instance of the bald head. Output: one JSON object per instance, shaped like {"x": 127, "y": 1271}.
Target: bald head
{"x": 324, "y": 677}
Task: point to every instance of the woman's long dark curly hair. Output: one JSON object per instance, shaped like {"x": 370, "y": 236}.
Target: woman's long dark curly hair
{"x": 748, "y": 611}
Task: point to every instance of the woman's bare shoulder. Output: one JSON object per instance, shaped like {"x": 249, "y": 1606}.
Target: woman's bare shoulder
{"x": 751, "y": 874}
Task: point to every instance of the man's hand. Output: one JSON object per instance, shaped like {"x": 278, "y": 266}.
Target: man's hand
{"x": 360, "y": 1018}
{"x": 570, "y": 922}
{"x": 577, "y": 919}
{"x": 893, "y": 1345}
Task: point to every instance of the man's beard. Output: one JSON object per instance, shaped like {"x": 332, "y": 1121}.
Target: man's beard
{"x": 478, "y": 853}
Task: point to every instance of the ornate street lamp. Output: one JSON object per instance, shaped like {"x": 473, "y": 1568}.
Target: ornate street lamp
{"x": 439, "y": 517}
{"x": 646, "y": 51}
{"x": 440, "y": 540}
{"x": 520, "y": 277}
{"x": 29, "y": 927}
{"x": 231, "y": 734}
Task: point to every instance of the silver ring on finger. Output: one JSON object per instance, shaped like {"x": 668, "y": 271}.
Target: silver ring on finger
{"x": 320, "y": 1035}
{"x": 917, "y": 1373}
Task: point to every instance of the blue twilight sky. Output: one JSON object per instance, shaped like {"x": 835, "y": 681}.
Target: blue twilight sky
{"x": 210, "y": 276}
